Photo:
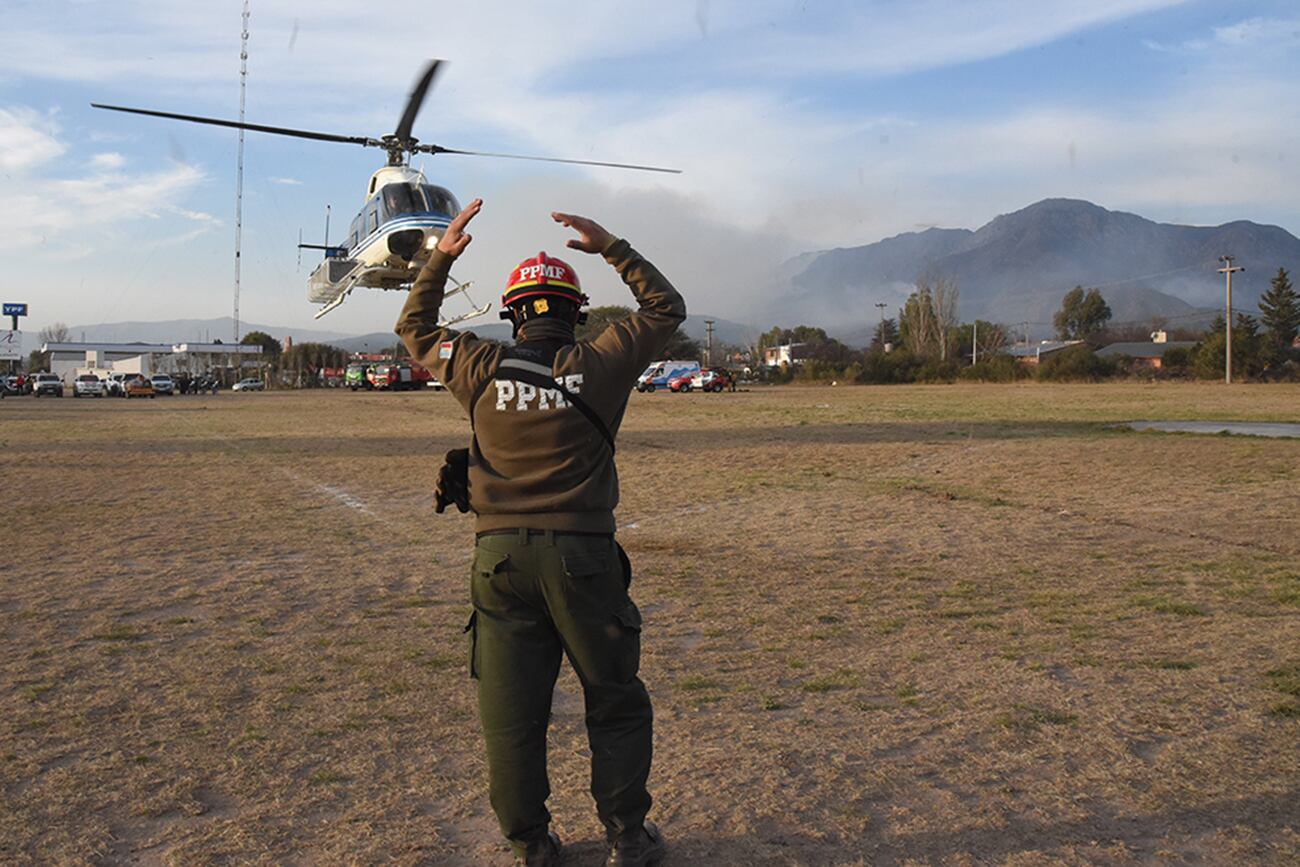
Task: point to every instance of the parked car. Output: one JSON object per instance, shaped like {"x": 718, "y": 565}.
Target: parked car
{"x": 712, "y": 379}
{"x": 87, "y": 385}
{"x": 113, "y": 385}
{"x": 162, "y": 384}
{"x": 680, "y": 383}
{"x": 47, "y": 383}
{"x": 12, "y": 384}
{"x": 137, "y": 386}
{"x": 249, "y": 385}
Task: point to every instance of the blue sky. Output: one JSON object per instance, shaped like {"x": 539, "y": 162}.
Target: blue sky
{"x": 798, "y": 126}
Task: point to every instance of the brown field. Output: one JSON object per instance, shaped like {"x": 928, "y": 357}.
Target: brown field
{"x": 902, "y": 625}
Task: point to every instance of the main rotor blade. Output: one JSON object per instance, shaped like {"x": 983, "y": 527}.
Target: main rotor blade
{"x": 403, "y": 131}
{"x": 437, "y": 149}
{"x": 277, "y": 130}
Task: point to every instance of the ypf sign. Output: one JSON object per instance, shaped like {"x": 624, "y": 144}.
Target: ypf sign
{"x": 13, "y": 311}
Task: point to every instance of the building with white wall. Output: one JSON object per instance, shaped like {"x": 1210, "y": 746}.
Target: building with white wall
{"x": 66, "y": 359}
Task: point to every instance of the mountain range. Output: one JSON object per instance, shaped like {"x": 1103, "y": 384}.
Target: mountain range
{"x": 1014, "y": 269}
{"x": 1017, "y": 267}
{"x": 204, "y": 330}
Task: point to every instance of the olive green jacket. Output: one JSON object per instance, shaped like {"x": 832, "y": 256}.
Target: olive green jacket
{"x": 538, "y": 462}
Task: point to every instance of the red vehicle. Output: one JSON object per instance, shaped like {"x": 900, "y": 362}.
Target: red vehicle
{"x": 709, "y": 379}
{"x": 398, "y": 375}
{"x": 713, "y": 379}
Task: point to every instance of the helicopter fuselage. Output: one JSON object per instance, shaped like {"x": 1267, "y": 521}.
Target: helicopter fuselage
{"x": 389, "y": 240}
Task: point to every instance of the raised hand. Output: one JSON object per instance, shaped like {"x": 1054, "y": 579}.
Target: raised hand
{"x": 454, "y": 238}
{"x": 592, "y": 238}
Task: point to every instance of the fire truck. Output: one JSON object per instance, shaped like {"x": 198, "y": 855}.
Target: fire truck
{"x": 399, "y": 375}
{"x": 383, "y": 372}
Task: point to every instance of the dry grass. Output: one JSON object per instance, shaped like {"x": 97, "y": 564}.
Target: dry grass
{"x": 910, "y": 625}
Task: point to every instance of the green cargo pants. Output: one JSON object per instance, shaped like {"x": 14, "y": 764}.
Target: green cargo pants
{"x": 538, "y": 594}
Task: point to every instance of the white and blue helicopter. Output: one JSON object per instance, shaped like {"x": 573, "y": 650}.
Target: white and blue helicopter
{"x": 403, "y": 217}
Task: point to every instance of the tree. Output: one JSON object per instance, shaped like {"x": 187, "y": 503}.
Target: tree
{"x": 1280, "y": 310}
{"x": 55, "y": 333}
{"x": 916, "y": 323}
{"x": 1082, "y": 314}
{"x": 270, "y": 346}
{"x": 817, "y": 344}
{"x": 886, "y": 332}
{"x": 989, "y": 339}
{"x": 682, "y": 347}
{"x": 1248, "y": 349}
{"x": 926, "y": 321}
{"x": 310, "y": 357}
{"x": 599, "y": 317}
{"x": 945, "y": 312}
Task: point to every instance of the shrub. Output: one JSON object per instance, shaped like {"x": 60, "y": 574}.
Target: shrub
{"x": 1078, "y": 363}
{"x": 934, "y": 370}
{"x": 888, "y": 367}
{"x": 1178, "y": 361}
{"x": 998, "y": 368}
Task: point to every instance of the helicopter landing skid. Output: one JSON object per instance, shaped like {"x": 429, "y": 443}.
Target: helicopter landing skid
{"x": 354, "y": 277}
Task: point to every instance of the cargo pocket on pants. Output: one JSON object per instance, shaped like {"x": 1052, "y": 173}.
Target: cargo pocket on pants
{"x": 627, "y": 621}
{"x": 471, "y": 630}
{"x": 627, "y": 567}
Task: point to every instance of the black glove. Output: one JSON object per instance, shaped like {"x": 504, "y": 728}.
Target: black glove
{"x": 453, "y": 482}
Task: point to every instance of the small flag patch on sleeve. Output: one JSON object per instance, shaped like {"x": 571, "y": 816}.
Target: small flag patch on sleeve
{"x": 444, "y": 349}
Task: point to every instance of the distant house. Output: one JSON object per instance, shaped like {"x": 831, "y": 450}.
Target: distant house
{"x": 1036, "y": 353}
{"x": 785, "y": 355}
{"x": 1151, "y": 354}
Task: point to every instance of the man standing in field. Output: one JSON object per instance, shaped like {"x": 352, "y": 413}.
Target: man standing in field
{"x": 547, "y": 577}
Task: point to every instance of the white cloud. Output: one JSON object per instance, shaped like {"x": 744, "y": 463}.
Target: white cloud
{"x": 108, "y": 161}
{"x": 47, "y": 214}
{"x": 27, "y": 139}
{"x": 907, "y": 35}
{"x": 288, "y": 182}
{"x": 1256, "y": 32}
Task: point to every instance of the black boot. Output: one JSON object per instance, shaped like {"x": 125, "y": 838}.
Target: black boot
{"x": 546, "y": 852}
{"x": 640, "y": 848}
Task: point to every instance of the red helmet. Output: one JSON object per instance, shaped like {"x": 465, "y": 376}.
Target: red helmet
{"x": 543, "y": 276}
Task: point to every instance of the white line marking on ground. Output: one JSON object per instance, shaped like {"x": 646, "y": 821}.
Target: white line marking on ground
{"x": 344, "y": 497}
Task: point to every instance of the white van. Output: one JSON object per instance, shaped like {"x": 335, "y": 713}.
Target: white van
{"x": 658, "y": 374}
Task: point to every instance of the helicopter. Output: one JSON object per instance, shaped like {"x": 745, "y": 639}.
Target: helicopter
{"x": 404, "y": 215}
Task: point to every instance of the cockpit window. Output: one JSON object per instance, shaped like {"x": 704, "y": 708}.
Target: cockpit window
{"x": 441, "y": 201}
{"x": 402, "y": 199}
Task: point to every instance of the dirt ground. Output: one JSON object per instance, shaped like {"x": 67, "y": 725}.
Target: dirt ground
{"x": 948, "y": 625}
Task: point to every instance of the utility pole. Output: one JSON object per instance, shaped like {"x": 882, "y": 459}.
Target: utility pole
{"x": 708, "y": 352}
{"x": 1228, "y": 270}
{"x": 975, "y": 343}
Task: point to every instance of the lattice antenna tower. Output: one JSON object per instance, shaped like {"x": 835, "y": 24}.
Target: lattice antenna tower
{"x": 239, "y": 169}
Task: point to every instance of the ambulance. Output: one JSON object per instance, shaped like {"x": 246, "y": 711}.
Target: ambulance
{"x": 658, "y": 374}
